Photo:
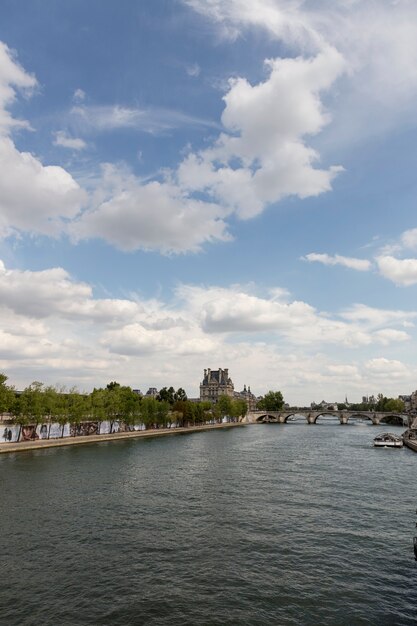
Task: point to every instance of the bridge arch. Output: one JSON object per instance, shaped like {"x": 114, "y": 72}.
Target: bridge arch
{"x": 361, "y": 416}
{"x": 295, "y": 417}
{"x": 326, "y": 415}
{"x": 265, "y": 418}
{"x": 394, "y": 419}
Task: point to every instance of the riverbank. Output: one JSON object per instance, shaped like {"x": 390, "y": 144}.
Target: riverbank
{"x": 22, "y": 446}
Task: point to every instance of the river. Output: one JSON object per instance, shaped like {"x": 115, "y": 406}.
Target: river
{"x": 270, "y": 524}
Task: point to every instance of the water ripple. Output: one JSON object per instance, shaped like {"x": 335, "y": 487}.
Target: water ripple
{"x": 281, "y": 525}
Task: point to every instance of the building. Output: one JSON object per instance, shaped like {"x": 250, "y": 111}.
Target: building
{"x": 329, "y": 406}
{"x": 151, "y": 393}
{"x": 407, "y": 402}
{"x": 246, "y": 395}
{"x": 216, "y": 383}
{"x": 413, "y": 401}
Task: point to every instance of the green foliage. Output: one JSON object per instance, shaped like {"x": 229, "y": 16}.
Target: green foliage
{"x": 383, "y": 405}
{"x": 272, "y": 401}
{"x": 180, "y": 394}
{"x": 32, "y": 406}
{"x": 166, "y": 395}
{"x": 149, "y": 411}
{"x": 239, "y": 408}
{"x": 395, "y": 405}
{"x": 224, "y": 405}
{"x": 7, "y": 395}
{"x": 170, "y": 395}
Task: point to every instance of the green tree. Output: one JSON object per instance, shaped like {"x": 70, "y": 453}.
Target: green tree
{"x": 148, "y": 412}
{"x": 113, "y": 385}
{"x": 6, "y": 395}
{"x": 180, "y": 410}
{"x": 98, "y": 402}
{"x": 60, "y": 409}
{"x": 32, "y": 404}
{"x": 162, "y": 413}
{"x": 224, "y": 406}
{"x": 180, "y": 394}
{"x": 166, "y": 395}
{"x": 78, "y": 406}
{"x": 395, "y": 405}
{"x": 272, "y": 401}
{"x": 239, "y": 409}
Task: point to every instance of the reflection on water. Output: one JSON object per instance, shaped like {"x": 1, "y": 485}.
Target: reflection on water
{"x": 269, "y": 524}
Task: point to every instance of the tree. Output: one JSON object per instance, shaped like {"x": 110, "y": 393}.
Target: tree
{"x": 79, "y": 406}
{"x": 6, "y": 395}
{"x": 180, "y": 394}
{"x": 272, "y": 401}
{"x": 32, "y": 404}
{"x": 180, "y": 409}
{"x": 166, "y": 395}
{"x": 239, "y": 409}
{"x": 224, "y": 405}
{"x": 395, "y": 405}
{"x": 148, "y": 411}
{"x": 162, "y": 413}
{"x": 113, "y": 385}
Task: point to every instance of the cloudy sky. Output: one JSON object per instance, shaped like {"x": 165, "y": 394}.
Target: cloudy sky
{"x": 210, "y": 183}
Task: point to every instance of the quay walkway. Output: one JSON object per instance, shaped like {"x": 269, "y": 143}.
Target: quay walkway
{"x": 39, "y": 444}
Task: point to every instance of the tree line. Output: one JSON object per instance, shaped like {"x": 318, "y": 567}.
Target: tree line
{"x": 380, "y": 404}
{"x": 115, "y": 402}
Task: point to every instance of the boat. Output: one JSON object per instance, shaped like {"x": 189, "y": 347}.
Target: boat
{"x": 415, "y": 547}
{"x": 410, "y": 439}
{"x": 388, "y": 440}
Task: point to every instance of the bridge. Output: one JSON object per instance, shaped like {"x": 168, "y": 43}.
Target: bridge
{"x": 311, "y": 417}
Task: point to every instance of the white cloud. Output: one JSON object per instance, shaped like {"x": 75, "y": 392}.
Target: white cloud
{"x": 153, "y": 120}
{"x": 383, "y": 366}
{"x": 73, "y": 143}
{"x": 409, "y": 239}
{"x": 375, "y": 318}
{"x": 151, "y": 216}
{"x": 390, "y": 335}
{"x": 237, "y": 311}
{"x": 283, "y": 20}
{"x": 54, "y": 329}
{"x": 362, "y": 265}
{"x": 33, "y": 197}
{"x": 12, "y": 76}
{"x": 402, "y": 272}
{"x": 268, "y": 125}
{"x": 78, "y": 95}
{"x": 378, "y": 41}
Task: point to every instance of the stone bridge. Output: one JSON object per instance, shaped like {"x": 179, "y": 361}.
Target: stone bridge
{"x": 311, "y": 417}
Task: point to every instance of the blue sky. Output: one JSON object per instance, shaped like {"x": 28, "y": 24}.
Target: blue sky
{"x": 203, "y": 183}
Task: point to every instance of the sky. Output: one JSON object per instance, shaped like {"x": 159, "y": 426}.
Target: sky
{"x": 188, "y": 184}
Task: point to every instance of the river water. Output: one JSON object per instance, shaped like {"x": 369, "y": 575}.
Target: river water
{"x": 270, "y": 524}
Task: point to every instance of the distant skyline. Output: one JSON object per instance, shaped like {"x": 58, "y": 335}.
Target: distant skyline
{"x": 210, "y": 183}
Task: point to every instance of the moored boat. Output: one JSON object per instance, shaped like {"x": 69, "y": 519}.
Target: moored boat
{"x": 388, "y": 440}
{"x": 410, "y": 438}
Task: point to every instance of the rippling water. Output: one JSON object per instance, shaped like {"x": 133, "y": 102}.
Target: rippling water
{"x": 271, "y": 524}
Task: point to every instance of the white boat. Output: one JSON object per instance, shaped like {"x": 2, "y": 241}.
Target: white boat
{"x": 388, "y": 440}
